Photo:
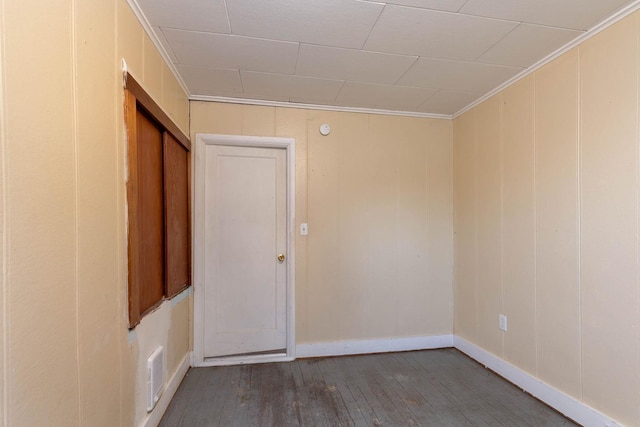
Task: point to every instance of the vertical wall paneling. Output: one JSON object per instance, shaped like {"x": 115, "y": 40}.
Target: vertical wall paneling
{"x": 99, "y": 310}
{"x": 65, "y": 356}
{"x": 439, "y": 225}
{"x": 353, "y": 212}
{"x": 489, "y": 223}
{"x": 376, "y": 193}
{"x": 323, "y": 241}
{"x": 383, "y": 216}
{"x": 41, "y": 301}
{"x": 413, "y": 257}
{"x": 167, "y": 326}
{"x": 558, "y": 294}
{"x": 3, "y": 231}
{"x": 566, "y": 226}
{"x": 257, "y": 120}
{"x": 465, "y": 221}
{"x": 518, "y": 224}
{"x": 609, "y": 226}
{"x": 152, "y": 69}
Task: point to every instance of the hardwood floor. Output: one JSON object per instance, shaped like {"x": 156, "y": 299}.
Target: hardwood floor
{"x": 418, "y": 388}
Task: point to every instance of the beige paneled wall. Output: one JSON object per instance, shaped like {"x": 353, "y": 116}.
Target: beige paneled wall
{"x": 67, "y": 357}
{"x": 169, "y": 325}
{"x": 377, "y": 194}
{"x": 546, "y": 220}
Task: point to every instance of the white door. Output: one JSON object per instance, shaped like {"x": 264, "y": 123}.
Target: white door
{"x": 245, "y": 226}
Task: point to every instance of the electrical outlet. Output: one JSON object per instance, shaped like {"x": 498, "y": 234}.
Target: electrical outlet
{"x": 503, "y": 322}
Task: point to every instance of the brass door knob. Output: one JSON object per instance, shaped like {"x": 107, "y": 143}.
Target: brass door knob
{"x": 281, "y": 258}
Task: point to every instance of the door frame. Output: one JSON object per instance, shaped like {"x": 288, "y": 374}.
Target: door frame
{"x": 202, "y": 140}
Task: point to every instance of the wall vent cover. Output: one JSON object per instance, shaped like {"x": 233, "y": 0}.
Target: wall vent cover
{"x": 155, "y": 377}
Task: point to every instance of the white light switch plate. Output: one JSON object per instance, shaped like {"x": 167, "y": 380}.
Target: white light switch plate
{"x": 503, "y": 322}
{"x": 304, "y": 229}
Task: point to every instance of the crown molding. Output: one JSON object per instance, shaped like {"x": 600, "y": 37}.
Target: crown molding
{"x": 285, "y": 104}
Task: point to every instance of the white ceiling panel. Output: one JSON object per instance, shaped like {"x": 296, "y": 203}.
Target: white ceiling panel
{"x": 351, "y": 64}
{"x": 457, "y": 76}
{"x": 410, "y": 31}
{"x": 194, "y": 15}
{"x": 573, "y": 14}
{"x": 447, "y": 102}
{"x": 420, "y": 56}
{"x": 258, "y": 84}
{"x": 340, "y": 23}
{"x": 384, "y": 97}
{"x": 527, "y": 44}
{"x": 209, "y": 81}
{"x": 229, "y": 51}
{"x": 447, "y": 5}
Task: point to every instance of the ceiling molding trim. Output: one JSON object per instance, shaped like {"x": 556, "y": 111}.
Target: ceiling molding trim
{"x": 156, "y": 42}
{"x": 603, "y": 25}
{"x": 284, "y": 104}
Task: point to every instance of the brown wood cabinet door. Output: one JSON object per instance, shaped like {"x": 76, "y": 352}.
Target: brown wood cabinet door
{"x": 177, "y": 230}
{"x": 150, "y": 212}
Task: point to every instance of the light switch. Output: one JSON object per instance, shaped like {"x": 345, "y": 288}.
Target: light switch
{"x": 304, "y": 229}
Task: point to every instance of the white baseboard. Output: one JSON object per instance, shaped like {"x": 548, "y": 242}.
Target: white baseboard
{"x": 153, "y": 419}
{"x": 383, "y": 345}
{"x": 561, "y": 402}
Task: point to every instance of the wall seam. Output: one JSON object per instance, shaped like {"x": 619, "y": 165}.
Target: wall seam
{"x": 119, "y": 116}
{"x": 454, "y": 223}
{"x": 535, "y": 223}
{"x": 76, "y": 131}
{"x": 501, "y": 148}
{"x": 579, "y": 209}
{"x": 398, "y": 245}
{"x": 637, "y": 168}
{"x": 5, "y": 239}
{"x": 476, "y": 328}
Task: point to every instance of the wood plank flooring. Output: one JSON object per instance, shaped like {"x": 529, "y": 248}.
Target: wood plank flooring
{"x": 418, "y": 388}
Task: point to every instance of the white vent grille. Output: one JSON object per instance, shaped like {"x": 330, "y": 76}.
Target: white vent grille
{"x": 155, "y": 380}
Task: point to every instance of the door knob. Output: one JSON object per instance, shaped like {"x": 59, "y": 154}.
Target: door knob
{"x": 281, "y": 258}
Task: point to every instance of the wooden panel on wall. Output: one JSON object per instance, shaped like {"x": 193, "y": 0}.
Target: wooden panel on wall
{"x": 177, "y": 232}
{"x": 150, "y": 256}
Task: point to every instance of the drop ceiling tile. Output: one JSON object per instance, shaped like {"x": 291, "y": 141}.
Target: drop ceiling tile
{"x": 447, "y": 5}
{"x": 447, "y": 102}
{"x": 527, "y": 44}
{"x": 350, "y": 64}
{"x": 384, "y": 97}
{"x": 572, "y": 14}
{"x": 410, "y": 31}
{"x": 232, "y": 52}
{"x": 279, "y": 85}
{"x": 194, "y": 15}
{"x": 341, "y": 23}
{"x": 457, "y": 76}
{"x": 210, "y": 81}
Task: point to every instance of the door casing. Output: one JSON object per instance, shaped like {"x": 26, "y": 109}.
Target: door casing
{"x": 202, "y": 140}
